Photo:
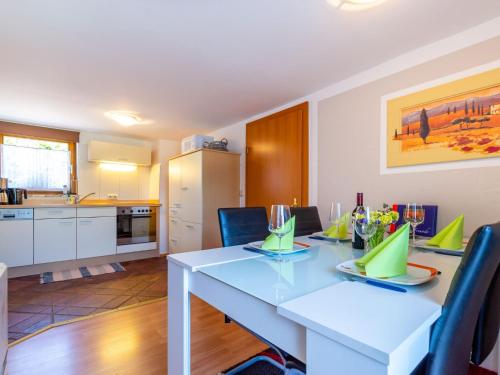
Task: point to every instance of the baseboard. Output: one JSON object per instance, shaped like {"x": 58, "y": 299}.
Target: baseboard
{"x": 69, "y": 264}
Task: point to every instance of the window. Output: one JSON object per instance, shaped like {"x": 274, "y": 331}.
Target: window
{"x": 36, "y": 164}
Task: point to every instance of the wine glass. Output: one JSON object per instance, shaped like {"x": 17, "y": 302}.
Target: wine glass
{"x": 414, "y": 214}
{"x": 365, "y": 224}
{"x": 335, "y": 218}
{"x": 280, "y": 215}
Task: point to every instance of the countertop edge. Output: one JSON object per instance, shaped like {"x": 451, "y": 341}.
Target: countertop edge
{"x": 89, "y": 204}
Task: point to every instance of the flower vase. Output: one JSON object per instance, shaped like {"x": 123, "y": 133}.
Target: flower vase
{"x": 378, "y": 237}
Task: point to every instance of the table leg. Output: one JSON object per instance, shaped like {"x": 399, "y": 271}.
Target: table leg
{"x": 179, "y": 320}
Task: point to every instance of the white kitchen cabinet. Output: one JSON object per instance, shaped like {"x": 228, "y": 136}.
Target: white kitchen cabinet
{"x": 54, "y": 240}
{"x": 54, "y": 213}
{"x": 174, "y": 181}
{"x": 191, "y": 187}
{"x": 96, "y": 236}
{"x": 118, "y": 153}
{"x": 200, "y": 182}
{"x": 175, "y": 227}
{"x": 95, "y": 232}
{"x": 191, "y": 237}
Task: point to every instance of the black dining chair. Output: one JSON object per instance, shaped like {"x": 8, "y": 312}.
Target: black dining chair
{"x": 241, "y": 225}
{"x": 488, "y": 323}
{"x": 306, "y": 220}
{"x": 471, "y": 306}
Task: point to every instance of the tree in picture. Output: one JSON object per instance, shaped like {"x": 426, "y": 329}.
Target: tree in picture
{"x": 424, "y": 125}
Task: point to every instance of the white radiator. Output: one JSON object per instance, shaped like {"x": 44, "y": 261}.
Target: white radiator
{"x": 3, "y": 317}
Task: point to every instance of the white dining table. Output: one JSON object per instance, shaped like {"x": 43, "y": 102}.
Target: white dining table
{"x": 307, "y": 308}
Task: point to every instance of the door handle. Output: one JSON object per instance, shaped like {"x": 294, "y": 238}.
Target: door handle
{"x": 85, "y": 221}
{"x": 189, "y": 226}
{"x": 184, "y": 188}
{"x": 294, "y": 202}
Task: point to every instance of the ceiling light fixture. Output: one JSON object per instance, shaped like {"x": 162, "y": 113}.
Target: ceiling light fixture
{"x": 355, "y": 4}
{"x": 124, "y": 118}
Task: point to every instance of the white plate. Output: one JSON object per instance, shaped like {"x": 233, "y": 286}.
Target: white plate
{"x": 416, "y": 274}
{"x": 422, "y": 244}
{"x": 296, "y": 248}
{"x": 326, "y": 238}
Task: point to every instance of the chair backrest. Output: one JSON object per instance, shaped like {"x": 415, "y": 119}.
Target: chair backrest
{"x": 453, "y": 333}
{"x": 488, "y": 323}
{"x": 306, "y": 220}
{"x": 242, "y": 225}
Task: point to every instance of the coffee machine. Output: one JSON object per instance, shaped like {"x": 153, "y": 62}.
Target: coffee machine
{"x": 4, "y": 198}
{"x": 16, "y": 195}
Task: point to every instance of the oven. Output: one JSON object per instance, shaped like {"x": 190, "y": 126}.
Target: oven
{"x": 135, "y": 225}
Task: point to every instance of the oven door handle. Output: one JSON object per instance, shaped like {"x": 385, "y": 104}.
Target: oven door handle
{"x": 141, "y": 216}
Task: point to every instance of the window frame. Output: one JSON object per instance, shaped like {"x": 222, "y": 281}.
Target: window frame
{"x": 73, "y": 169}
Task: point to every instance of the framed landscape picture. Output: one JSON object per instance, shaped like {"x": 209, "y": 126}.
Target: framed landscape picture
{"x": 453, "y": 121}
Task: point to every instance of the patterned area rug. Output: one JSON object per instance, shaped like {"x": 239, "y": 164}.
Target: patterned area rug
{"x": 77, "y": 273}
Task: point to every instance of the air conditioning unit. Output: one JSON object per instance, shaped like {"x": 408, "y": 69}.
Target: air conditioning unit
{"x": 194, "y": 142}
{"x": 106, "y": 152}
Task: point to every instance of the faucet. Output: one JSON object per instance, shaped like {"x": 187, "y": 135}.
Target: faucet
{"x": 79, "y": 200}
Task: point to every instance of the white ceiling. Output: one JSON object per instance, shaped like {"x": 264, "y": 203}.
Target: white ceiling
{"x": 190, "y": 66}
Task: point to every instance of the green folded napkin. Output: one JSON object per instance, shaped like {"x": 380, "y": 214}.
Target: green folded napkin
{"x": 388, "y": 259}
{"x": 450, "y": 237}
{"x": 272, "y": 241}
{"x": 339, "y": 231}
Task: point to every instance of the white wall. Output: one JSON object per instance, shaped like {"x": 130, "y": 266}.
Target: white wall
{"x": 91, "y": 178}
{"x": 162, "y": 151}
{"x": 349, "y": 150}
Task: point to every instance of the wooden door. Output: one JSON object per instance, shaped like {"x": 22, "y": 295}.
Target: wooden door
{"x": 277, "y": 158}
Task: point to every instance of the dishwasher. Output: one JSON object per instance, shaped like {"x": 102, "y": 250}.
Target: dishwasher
{"x": 16, "y": 234}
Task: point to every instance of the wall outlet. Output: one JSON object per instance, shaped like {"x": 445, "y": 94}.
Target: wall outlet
{"x": 112, "y": 196}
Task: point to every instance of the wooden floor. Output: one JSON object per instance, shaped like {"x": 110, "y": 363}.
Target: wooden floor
{"x": 132, "y": 341}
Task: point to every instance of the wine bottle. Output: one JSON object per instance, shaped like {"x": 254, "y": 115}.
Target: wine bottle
{"x": 357, "y": 241}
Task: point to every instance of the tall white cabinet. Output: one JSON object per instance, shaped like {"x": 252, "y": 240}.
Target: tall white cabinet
{"x": 200, "y": 182}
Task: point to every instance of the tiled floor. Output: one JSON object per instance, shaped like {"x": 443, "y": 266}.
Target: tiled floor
{"x": 33, "y": 306}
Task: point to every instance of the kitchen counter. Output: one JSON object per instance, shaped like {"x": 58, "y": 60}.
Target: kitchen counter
{"x": 40, "y": 203}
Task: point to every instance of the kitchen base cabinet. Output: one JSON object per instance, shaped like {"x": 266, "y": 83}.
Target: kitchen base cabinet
{"x": 96, "y": 236}
{"x": 54, "y": 240}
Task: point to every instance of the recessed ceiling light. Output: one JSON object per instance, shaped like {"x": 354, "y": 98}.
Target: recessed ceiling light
{"x": 355, "y": 4}
{"x": 124, "y": 118}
